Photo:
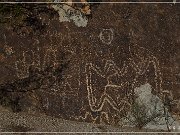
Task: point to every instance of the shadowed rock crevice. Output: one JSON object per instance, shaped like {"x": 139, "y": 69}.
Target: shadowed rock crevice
{"x": 19, "y": 16}
{"x": 17, "y": 95}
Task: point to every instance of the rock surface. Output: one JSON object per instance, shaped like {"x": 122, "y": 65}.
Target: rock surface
{"x": 89, "y": 74}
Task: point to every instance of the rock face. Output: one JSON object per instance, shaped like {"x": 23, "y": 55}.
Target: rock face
{"x": 89, "y": 73}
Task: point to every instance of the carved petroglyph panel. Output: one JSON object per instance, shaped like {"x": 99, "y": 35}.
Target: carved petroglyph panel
{"x": 89, "y": 74}
{"x": 111, "y": 85}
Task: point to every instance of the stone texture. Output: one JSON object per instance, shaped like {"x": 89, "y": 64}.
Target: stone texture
{"x": 89, "y": 73}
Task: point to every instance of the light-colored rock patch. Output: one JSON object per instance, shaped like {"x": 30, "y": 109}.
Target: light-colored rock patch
{"x": 152, "y": 106}
{"x": 69, "y": 14}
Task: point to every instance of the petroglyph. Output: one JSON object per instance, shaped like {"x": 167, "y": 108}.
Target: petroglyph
{"x": 89, "y": 74}
{"x": 103, "y": 117}
{"x": 143, "y": 63}
{"x": 116, "y": 90}
{"x": 106, "y": 36}
{"x": 33, "y": 58}
{"x": 114, "y": 81}
{"x": 94, "y": 105}
{"x": 22, "y": 67}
